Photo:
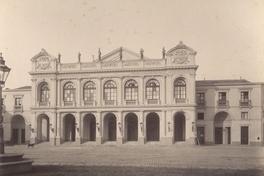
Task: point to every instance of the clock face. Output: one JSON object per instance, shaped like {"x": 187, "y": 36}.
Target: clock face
{"x": 43, "y": 63}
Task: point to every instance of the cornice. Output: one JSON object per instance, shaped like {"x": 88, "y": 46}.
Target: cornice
{"x": 115, "y": 71}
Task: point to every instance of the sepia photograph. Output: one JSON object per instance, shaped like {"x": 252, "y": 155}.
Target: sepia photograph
{"x": 131, "y": 87}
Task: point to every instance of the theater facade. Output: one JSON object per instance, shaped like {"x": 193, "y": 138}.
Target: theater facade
{"x": 124, "y": 97}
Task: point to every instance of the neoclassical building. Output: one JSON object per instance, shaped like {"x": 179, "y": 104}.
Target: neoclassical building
{"x": 125, "y": 97}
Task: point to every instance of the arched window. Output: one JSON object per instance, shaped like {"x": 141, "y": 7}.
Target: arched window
{"x": 131, "y": 90}
{"x": 180, "y": 89}
{"x": 152, "y": 90}
{"x": 44, "y": 94}
{"x": 69, "y": 92}
{"x": 89, "y": 91}
{"x": 110, "y": 90}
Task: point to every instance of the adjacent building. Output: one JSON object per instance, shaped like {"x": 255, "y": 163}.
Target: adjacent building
{"x": 126, "y": 97}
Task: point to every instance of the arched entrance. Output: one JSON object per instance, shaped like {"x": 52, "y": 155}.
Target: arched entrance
{"x": 69, "y": 128}
{"x": 110, "y": 127}
{"x": 152, "y": 127}
{"x": 131, "y": 126}
{"x": 222, "y": 128}
{"x": 43, "y": 128}
{"x": 179, "y": 127}
{"x": 89, "y": 128}
{"x": 18, "y": 130}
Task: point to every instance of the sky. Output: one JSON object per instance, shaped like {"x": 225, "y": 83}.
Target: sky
{"x": 227, "y": 35}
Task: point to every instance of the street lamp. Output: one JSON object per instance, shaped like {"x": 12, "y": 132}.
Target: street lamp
{"x": 4, "y": 72}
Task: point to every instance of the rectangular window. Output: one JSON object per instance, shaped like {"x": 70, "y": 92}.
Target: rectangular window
{"x": 200, "y": 116}
{"x": 222, "y": 96}
{"x": 244, "y": 96}
{"x": 18, "y": 101}
{"x": 200, "y": 97}
{"x": 244, "y": 115}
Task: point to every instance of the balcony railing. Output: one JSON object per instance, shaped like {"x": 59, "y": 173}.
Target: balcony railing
{"x": 183, "y": 100}
{"x": 44, "y": 104}
{"x": 153, "y": 101}
{"x": 201, "y": 104}
{"x": 223, "y": 103}
{"x": 89, "y": 103}
{"x": 131, "y": 102}
{"x": 18, "y": 108}
{"x": 245, "y": 103}
{"x": 69, "y": 103}
{"x": 110, "y": 102}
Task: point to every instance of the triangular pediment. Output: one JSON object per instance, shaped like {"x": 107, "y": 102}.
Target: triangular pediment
{"x": 42, "y": 53}
{"x": 181, "y": 46}
{"x": 121, "y": 54}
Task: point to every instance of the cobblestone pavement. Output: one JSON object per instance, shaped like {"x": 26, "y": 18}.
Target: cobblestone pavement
{"x": 203, "y": 157}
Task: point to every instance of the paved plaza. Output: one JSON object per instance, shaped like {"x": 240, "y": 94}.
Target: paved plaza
{"x": 143, "y": 160}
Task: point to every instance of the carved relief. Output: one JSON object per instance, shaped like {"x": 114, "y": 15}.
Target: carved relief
{"x": 152, "y": 63}
{"x": 89, "y": 66}
{"x": 180, "y": 57}
{"x": 68, "y": 66}
{"x": 131, "y": 64}
{"x": 43, "y": 63}
{"x": 109, "y": 64}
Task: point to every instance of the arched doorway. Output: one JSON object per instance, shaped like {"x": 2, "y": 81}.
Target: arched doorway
{"x": 69, "y": 128}
{"x": 89, "y": 127}
{"x": 152, "y": 127}
{"x": 18, "y": 130}
{"x": 131, "y": 124}
{"x": 179, "y": 127}
{"x": 222, "y": 128}
{"x": 110, "y": 127}
{"x": 43, "y": 128}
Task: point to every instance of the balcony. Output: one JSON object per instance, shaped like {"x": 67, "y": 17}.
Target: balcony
{"x": 41, "y": 104}
{"x": 245, "y": 103}
{"x": 151, "y": 102}
{"x": 18, "y": 108}
{"x": 201, "y": 104}
{"x": 131, "y": 102}
{"x": 89, "y": 103}
{"x": 69, "y": 103}
{"x": 183, "y": 100}
{"x": 110, "y": 102}
{"x": 223, "y": 103}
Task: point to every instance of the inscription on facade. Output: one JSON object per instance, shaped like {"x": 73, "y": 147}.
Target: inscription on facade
{"x": 89, "y": 66}
{"x": 152, "y": 63}
{"x": 131, "y": 64}
{"x": 109, "y": 64}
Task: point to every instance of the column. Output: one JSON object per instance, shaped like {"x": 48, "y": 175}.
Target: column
{"x": 141, "y": 129}
{"x": 33, "y": 129}
{"x": 58, "y": 129}
{"x": 142, "y": 89}
{"x": 119, "y": 128}
{"x": 59, "y": 92}
{"x": 34, "y": 99}
{"x": 77, "y": 128}
{"x": 167, "y": 123}
{"x": 99, "y": 130}
{"x": 169, "y": 90}
{"x": 191, "y": 128}
{"x": 99, "y": 92}
{"x": 52, "y": 124}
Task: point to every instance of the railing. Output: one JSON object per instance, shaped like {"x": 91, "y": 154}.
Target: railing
{"x": 245, "y": 103}
{"x": 43, "y": 103}
{"x": 18, "y": 108}
{"x": 109, "y": 102}
{"x": 180, "y": 100}
{"x": 223, "y": 103}
{"x": 152, "y": 101}
{"x": 201, "y": 104}
{"x": 69, "y": 103}
{"x": 131, "y": 102}
{"x": 89, "y": 103}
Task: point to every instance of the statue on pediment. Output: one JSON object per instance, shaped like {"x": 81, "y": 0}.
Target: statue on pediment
{"x": 99, "y": 54}
{"x": 163, "y": 53}
{"x": 120, "y": 53}
{"x": 79, "y": 57}
{"x": 59, "y": 57}
{"x": 141, "y": 53}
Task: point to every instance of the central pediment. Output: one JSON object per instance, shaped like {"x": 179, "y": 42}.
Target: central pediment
{"x": 122, "y": 54}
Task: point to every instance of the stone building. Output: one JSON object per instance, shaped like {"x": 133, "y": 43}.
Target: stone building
{"x": 126, "y": 97}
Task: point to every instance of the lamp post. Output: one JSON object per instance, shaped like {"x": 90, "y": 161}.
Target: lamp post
{"x": 4, "y": 72}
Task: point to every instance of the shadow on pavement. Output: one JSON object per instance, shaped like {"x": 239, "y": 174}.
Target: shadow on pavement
{"x": 67, "y": 170}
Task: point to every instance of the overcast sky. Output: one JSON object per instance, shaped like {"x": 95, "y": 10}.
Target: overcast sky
{"x": 228, "y": 35}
